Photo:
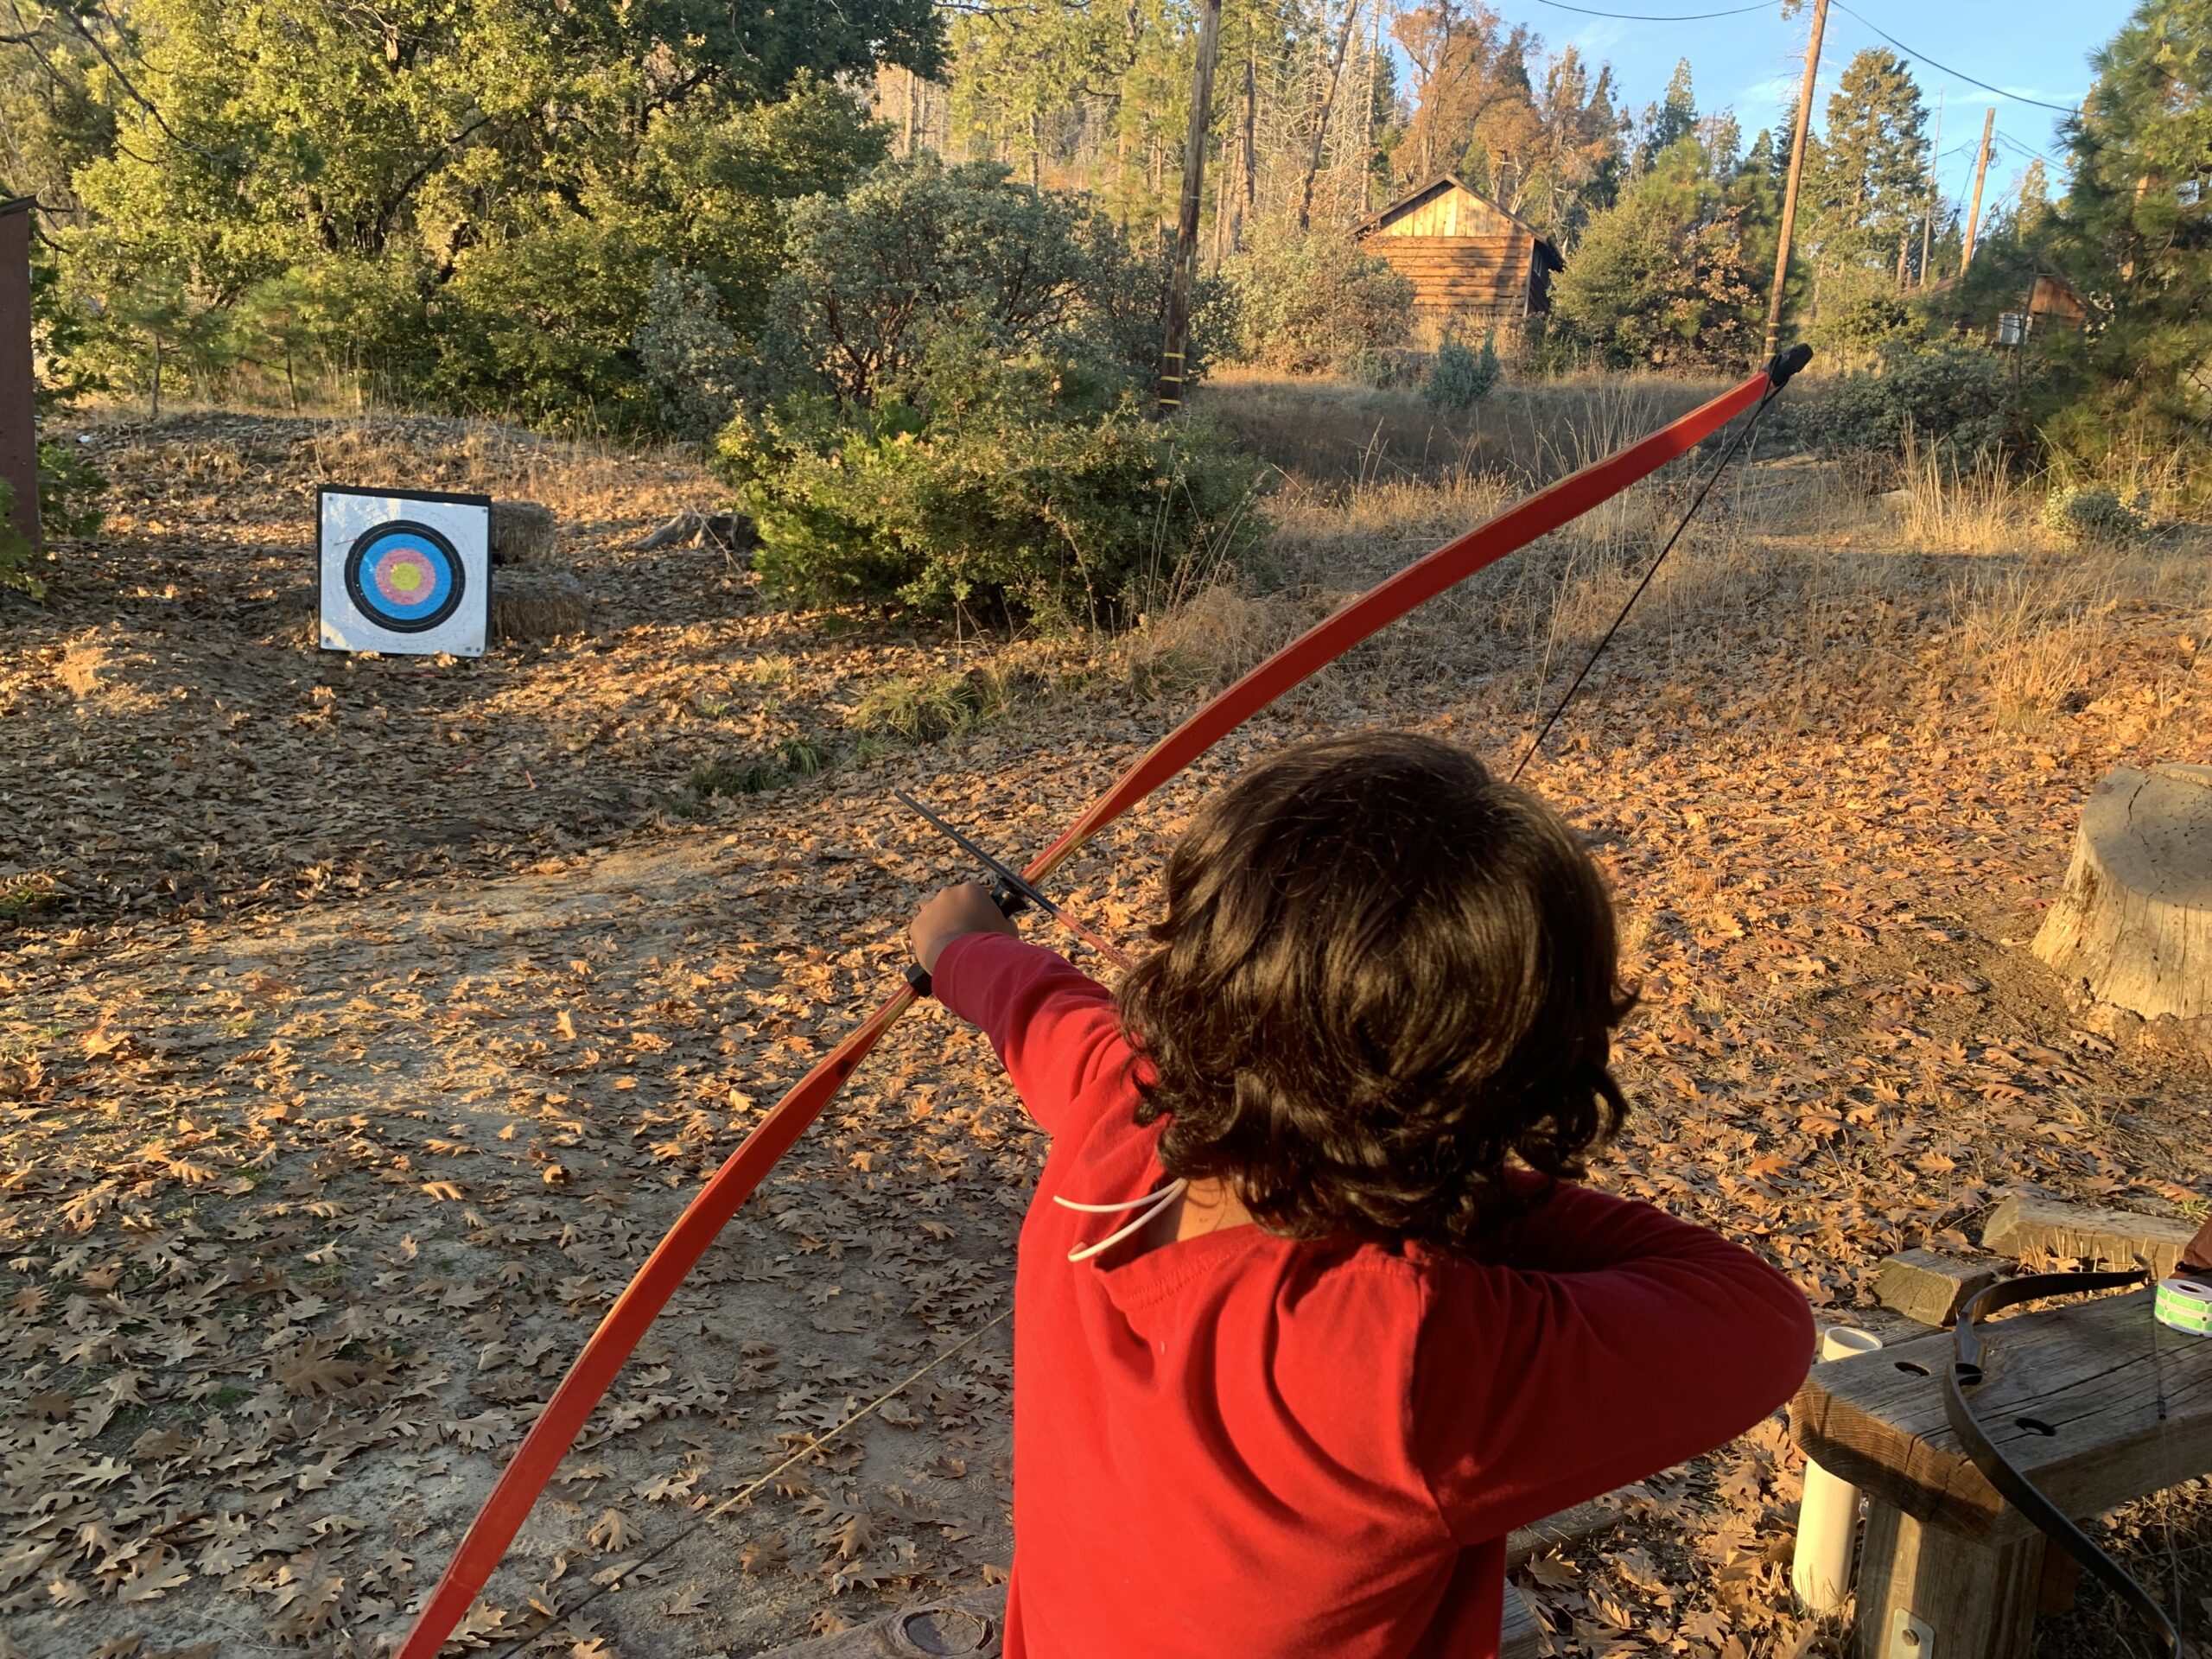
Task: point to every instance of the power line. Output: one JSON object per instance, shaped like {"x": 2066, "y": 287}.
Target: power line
{"x": 1960, "y": 75}
{"x": 1647, "y": 18}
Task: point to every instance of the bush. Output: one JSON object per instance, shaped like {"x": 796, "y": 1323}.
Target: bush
{"x": 2091, "y": 516}
{"x": 954, "y": 421}
{"x": 16, "y": 555}
{"x": 1308, "y": 302}
{"x": 1659, "y": 278}
{"x": 69, "y": 489}
{"x": 919, "y": 250}
{"x": 688, "y": 353}
{"x": 1462, "y": 378}
{"x": 1953, "y": 394}
{"x": 1021, "y": 491}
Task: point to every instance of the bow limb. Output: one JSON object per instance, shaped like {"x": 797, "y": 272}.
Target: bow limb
{"x": 1419, "y": 582}
{"x": 625, "y": 1323}
{"x": 624, "y": 1327}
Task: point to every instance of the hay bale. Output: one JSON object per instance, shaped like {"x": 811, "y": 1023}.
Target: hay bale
{"x": 530, "y": 608}
{"x": 522, "y": 533}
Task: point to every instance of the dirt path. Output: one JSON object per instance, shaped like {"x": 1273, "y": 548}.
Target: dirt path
{"x": 327, "y": 1149}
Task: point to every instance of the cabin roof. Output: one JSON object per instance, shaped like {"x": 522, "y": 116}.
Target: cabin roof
{"x": 1428, "y": 187}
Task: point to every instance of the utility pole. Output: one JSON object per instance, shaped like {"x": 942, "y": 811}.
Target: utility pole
{"x": 1935, "y": 189}
{"x": 1973, "y": 215}
{"x": 1797, "y": 173}
{"x": 1187, "y": 229}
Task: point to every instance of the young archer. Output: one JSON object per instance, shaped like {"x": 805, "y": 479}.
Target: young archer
{"x": 1311, "y": 1306}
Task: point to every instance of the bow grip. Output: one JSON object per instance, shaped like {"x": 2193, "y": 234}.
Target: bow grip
{"x": 1009, "y": 902}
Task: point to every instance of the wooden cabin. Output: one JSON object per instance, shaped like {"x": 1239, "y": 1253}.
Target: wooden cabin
{"x": 1476, "y": 269}
{"x": 2053, "y": 302}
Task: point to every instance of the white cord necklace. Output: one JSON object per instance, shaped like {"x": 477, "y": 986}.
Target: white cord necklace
{"x": 1159, "y": 1201}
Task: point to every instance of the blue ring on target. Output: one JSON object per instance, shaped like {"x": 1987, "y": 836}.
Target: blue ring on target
{"x": 404, "y": 576}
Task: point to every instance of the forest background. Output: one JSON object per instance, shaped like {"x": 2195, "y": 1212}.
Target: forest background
{"x": 824, "y": 230}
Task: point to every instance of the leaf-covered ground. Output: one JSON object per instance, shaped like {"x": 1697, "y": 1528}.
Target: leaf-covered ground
{"x": 364, "y": 1023}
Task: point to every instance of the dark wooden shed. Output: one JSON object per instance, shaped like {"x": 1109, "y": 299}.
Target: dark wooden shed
{"x": 1476, "y": 269}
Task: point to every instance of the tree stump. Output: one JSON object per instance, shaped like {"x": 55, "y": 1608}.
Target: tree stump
{"x": 2134, "y": 927}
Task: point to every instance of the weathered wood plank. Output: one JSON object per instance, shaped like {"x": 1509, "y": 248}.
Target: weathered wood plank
{"x": 2072, "y": 1396}
{"x": 1978, "y": 1603}
{"x": 2109, "y": 1238}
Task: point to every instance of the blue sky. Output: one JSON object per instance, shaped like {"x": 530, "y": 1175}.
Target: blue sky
{"x": 2033, "y": 48}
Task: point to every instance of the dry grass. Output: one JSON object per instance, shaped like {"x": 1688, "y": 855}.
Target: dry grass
{"x": 1946, "y": 585}
{"x": 1333, "y": 432}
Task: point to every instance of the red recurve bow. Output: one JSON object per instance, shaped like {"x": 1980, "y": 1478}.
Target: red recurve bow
{"x": 627, "y": 1322}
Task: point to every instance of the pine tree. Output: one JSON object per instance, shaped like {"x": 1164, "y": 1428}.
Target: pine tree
{"x": 2136, "y": 231}
{"x": 1673, "y": 118}
{"x": 1872, "y": 183}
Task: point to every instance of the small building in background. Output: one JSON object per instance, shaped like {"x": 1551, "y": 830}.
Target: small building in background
{"x": 1476, "y": 269}
{"x": 2053, "y": 302}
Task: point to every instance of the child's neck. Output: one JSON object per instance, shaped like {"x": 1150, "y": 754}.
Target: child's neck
{"x": 1207, "y": 1205}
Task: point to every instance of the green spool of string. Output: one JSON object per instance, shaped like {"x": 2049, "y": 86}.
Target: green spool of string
{"x": 2185, "y": 1305}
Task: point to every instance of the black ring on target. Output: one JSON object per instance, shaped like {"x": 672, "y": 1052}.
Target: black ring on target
{"x": 404, "y": 576}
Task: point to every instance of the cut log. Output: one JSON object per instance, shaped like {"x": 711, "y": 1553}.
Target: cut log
{"x": 2134, "y": 927}
{"x": 522, "y": 533}
{"x": 1927, "y": 1286}
{"x": 2104, "y": 1238}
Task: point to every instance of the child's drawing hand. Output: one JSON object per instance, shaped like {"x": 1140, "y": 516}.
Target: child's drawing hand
{"x": 964, "y": 909}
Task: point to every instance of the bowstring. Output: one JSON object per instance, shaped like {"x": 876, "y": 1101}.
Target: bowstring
{"x": 1704, "y": 489}
{"x": 524, "y": 1638}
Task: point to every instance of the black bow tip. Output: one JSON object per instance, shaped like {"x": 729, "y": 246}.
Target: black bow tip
{"x": 1785, "y": 363}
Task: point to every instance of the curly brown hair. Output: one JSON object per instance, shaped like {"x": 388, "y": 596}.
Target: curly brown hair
{"x": 1382, "y": 974}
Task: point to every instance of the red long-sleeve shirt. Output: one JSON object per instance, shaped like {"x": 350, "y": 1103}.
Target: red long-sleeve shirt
{"x": 1243, "y": 1446}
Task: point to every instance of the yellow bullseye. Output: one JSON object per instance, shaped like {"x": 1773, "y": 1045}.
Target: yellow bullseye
{"x": 407, "y": 578}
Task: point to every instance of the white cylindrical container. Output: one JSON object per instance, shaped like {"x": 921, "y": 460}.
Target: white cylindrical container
{"x": 1828, "y": 1518}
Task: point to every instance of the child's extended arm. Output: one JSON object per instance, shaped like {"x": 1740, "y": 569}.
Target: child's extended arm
{"x": 1610, "y": 1342}
{"x": 1055, "y": 1028}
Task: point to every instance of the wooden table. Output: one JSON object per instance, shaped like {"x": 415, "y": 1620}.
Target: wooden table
{"x": 2071, "y": 1395}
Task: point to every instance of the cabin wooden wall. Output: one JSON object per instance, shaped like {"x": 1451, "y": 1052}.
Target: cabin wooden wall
{"x": 1473, "y": 266}
{"x": 1476, "y": 282}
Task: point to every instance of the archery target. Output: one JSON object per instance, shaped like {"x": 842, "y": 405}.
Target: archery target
{"x": 405, "y": 571}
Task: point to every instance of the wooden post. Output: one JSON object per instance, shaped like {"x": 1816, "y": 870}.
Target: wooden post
{"x": 18, "y": 382}
{"x": 1919, "y": 1582}
{"x": 1796, "y": 173}
{"x": 1981, "y": 171}
{"x": 1187, "y": 229}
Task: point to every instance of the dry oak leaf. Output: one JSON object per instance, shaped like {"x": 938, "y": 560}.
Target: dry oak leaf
{"x": 614, "y": 1530}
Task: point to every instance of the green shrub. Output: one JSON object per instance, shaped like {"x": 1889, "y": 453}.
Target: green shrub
{"x": 15, "y": 554}
{"x": 1461, "y": 377}
{"x": 69, "y": 489}
{"x": 919, "y": 250}
{"x": 1022, "y": 492}
{"x": 2091, "y": 516}
{"x": 688, "y": 353}
{"x": 1953, "y": 394}
{"x": 1376, "y": 370}
{"x": 1307, "y": 302}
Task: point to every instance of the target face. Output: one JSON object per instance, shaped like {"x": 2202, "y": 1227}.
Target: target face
{"x": 405, "y": 572}
{"x": 404, "y": 576}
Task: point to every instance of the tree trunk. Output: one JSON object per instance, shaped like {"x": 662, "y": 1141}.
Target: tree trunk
{"x": 154, "y": 413}
{"x": 2133, "y": 925}
{"x": 1328, "y": 104}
